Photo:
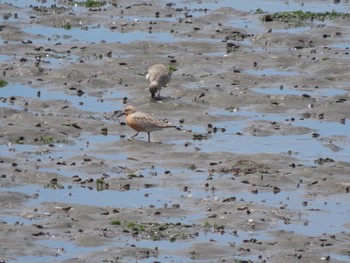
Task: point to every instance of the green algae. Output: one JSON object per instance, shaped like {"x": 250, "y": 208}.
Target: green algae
{"x": 301, "y": 16}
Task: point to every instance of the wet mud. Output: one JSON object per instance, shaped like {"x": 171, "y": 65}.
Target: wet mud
{"x": 257, "y": 173}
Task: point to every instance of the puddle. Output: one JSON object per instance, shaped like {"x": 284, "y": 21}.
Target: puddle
{"x": 256, "y": 26}
{"x": 63, "y": 151}
{"x": 5, "y": 57}
{"x": 16, "y": 220}
{"x": 94, "y": 35}
{"x": 57, "y": 60}
{"x": 325, "y": 215}
{"x": 254, "y": 145}
{"x": 324, "y": 92}
{"x": 321, "y": 215}
{"x": 149, "y": 19}
{"x": 303, "y": 147}
{"x": 342, "y": 258}
{"x": 101, "y": 34}
{"x": 214, "y": 54}
{"x": 345, "y": 46}
{"x": 67, "y": 250}
{"x": 27, "y": 3}
{"x": 323, "y": 127}
{"x": 64, "y": 251}
{"x": 44, "y": 151}
{"x": 84, "y": 102}
{"x": 76, "y": 194}
{"x": 272, "y": 72}
{"x": 245, "y": 23}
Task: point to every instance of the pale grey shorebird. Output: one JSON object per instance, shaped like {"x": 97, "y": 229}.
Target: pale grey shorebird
{"x": 142, "y": 122}
{"x": 158, "y": 75}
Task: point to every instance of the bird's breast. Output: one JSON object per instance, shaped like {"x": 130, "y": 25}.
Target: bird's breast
{"x": 134, "y": 124}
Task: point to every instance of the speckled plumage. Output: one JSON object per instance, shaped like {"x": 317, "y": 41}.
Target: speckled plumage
{"x": 142, "y": 122}
{"x": 158, "y": 75}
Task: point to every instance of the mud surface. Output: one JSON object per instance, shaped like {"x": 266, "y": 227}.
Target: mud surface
{"x": 258, "y": 173}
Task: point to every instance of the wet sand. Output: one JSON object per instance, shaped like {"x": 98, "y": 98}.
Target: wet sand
{"x": 259, "y": 172}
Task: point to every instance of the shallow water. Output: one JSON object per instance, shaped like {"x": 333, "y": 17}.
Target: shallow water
{"x": 330, "y": 219}
{"x": 324, "y": 92}
{"x": 303, "y": 147}
{"x": 272, "y": 72}
{"x": 94, "y": 35}
{"x": 63, "y": 250}
{"x": 321, "y": 215}
{"x": 78, "y": 194}
{"x": 28, "y": 3}
{"x": 84, "y": 102}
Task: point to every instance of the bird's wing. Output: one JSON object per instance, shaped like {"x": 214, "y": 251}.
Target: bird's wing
{"x": 146, "y": 121}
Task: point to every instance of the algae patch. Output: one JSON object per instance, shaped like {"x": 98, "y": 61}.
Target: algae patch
{"x": 301, "y": 16}
{"x": 90, "y": 3}
{"x": 3, "y": 83}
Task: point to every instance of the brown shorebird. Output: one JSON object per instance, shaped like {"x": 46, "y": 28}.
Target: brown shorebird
{"x": 142, "y": 122}
{"x": 158, "y": 75}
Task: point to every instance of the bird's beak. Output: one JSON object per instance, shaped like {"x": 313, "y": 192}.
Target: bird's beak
{"x": 118, "y": 113}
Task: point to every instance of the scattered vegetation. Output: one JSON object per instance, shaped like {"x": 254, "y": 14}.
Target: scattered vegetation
{"x": 116, "y": 223}
{"x": 259, "y": 11}
{"x": 3, "y": 83}
{"x": 89, "y": 3}
{"x": 135, "y": 226}
{"x": 7, "y": 16}
{"x": 297, "y": 16}
{"x": 101, "y": 185}
{"x": 172, "y": 69}
{"x": 237, "y": 36}
{"x": 322, "y": 161}
{"x": 130, "y": 176}
{"x": 94, "y": 3}
{"x": 192, "y": 167}
{"x": 153, "y": 231}
{"x": 66, "y": 26}
{"x": 20, "y": 140}
{"x": 53, "y": 184}
{"x": 208, "y": 225}
{"x": 47, "y": 139}
{"x": 50, "y": 139}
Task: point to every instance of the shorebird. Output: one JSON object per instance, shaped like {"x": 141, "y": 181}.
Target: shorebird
{"x": 158, "y": 75}
{"x": 142, "y": 122}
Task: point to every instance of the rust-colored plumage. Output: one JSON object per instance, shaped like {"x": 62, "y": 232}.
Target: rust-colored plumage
{"x": 142, "y": 122}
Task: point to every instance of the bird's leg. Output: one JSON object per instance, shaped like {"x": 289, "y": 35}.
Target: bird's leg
{"x": 159, "y": 93}
{"x": 134, "y": 135}
{"x": 149, "y": 136}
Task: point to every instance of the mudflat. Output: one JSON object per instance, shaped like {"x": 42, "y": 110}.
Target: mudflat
{"x": 258, "y": 172}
